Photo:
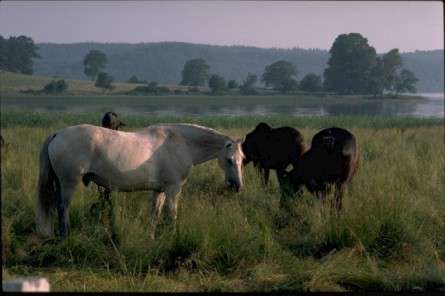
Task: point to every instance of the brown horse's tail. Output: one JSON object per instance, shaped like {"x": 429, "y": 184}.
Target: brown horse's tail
{"x": 351, "y": 164}
{"x": 47, "y": 192}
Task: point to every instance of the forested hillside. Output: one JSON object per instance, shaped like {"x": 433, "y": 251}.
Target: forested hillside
{"x": 163, "y": 62}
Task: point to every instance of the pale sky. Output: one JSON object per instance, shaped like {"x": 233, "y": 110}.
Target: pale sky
{"x": 409, "y": 26}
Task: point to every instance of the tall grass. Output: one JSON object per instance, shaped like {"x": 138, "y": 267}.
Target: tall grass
{"x": 389, "y": 236}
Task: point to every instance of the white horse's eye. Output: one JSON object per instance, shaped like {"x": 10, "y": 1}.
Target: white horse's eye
{"x": 229, "y": 161}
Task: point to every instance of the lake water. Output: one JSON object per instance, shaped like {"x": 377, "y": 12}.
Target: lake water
{"x": 432, "y": 106}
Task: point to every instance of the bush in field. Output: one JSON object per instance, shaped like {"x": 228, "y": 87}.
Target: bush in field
{"x": 104, "y": 81}
{"x": 247, "y": 87}
{"x": 134, "y": 79}
{"x": 162, "y": 90}
{"x": 232, "y": 84}
{"x": 193, "y": 89}
{"x": 152, "y": 87}
{"x": 56, "y": 87}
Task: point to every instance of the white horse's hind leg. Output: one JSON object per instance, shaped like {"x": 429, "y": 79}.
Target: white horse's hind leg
{"x": 172, "y": 193}
{"x": 63, "y": 204}
{"x": 158, "y": 204}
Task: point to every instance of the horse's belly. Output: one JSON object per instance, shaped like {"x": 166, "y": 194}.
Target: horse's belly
{"x": 142, "y": 178}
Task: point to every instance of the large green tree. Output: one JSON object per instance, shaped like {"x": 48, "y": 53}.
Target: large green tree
{"x": 376, "y": 80}
{"x": 311, "y": 82}
{"x": 388, "y": 75}
{"x": 392, "y": 64}
{"x": 17, "y": 54}
{"x": 195, "y": 73}
{"x": 3, "y": 50}
{"x": 247, "y": 86}
{"x": 349, "y": 65}
{"x": 217, "y": 84}
{"x": 104, "y": 81}
{"x": 279, "y": 75}
{"x": 231, "y": 84}
{"x": 405, "y": 82}
{"x": 94, "y": 62}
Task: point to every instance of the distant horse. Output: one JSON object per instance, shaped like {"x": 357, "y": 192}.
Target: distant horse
{"x": 157, "y": 158}
{"x": 112, "y": 121}
{"x": 272, "y": 148}
{"x": 332, "y": 160}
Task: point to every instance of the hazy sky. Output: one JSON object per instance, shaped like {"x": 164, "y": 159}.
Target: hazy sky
{"x": 406, "y": 25}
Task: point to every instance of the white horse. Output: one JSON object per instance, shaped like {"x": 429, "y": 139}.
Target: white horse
{"x": 157, "y": 158}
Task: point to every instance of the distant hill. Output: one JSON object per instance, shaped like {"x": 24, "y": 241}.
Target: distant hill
{"x": 163, "y": 62}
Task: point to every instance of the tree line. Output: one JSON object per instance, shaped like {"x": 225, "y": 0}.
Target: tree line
{"x": 353, "y": 68}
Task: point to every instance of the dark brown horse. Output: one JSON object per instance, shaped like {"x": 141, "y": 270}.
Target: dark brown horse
{"x": 332, "y": 160}
{"x": 112, "y": 121}
{"x": 272, "y": 148}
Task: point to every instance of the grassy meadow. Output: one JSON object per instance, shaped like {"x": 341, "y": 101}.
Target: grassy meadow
{"x": 15, "y": 82}
{"x": 390, "y": 235}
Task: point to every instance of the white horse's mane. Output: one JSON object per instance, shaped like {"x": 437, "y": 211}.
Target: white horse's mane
{"x": 189, "y": 129}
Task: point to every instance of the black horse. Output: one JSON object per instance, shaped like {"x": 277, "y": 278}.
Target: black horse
{"x": 112, "y": 121}
{"x": 272, "y": 148}
{"x": 332, "y": 160}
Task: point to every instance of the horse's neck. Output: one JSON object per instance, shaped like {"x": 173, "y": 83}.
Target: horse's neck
{"x": 205, "y": 148}
{"x": 202, "y": 143}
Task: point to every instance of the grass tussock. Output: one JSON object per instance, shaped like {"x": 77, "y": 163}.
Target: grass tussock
{"x": 390, "y": 235}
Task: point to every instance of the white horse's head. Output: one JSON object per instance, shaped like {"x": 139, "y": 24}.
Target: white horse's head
{"x": 231, "y": 161}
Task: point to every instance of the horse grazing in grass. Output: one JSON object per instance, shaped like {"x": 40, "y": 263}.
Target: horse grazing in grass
{"x": 332, "y": 160}
{"x": 157, "y": 158}
{"x": 272, "y": 148}
{"x": 112, "y": 121}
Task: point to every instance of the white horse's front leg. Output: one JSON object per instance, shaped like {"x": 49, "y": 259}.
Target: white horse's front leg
{"x": 156, "y": 211}
{"x": 172, "y": 193}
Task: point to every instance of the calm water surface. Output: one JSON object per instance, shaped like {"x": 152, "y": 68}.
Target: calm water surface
{"x": 432, "y": 106}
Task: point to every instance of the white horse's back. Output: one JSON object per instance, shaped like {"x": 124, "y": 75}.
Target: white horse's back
{"x": 120, "y": 160}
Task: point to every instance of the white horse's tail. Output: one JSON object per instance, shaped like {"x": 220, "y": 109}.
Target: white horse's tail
{"x": 47, "y": 192}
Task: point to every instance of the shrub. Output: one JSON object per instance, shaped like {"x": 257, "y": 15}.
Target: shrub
{"x": 54, "y": 86}
{"x": 162, "y": 90}
{"x": 134, "y": 79}
{"x": 104, "y": 81}
{"x": 232, "y": 84}
{"x": 193, "y": 89}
